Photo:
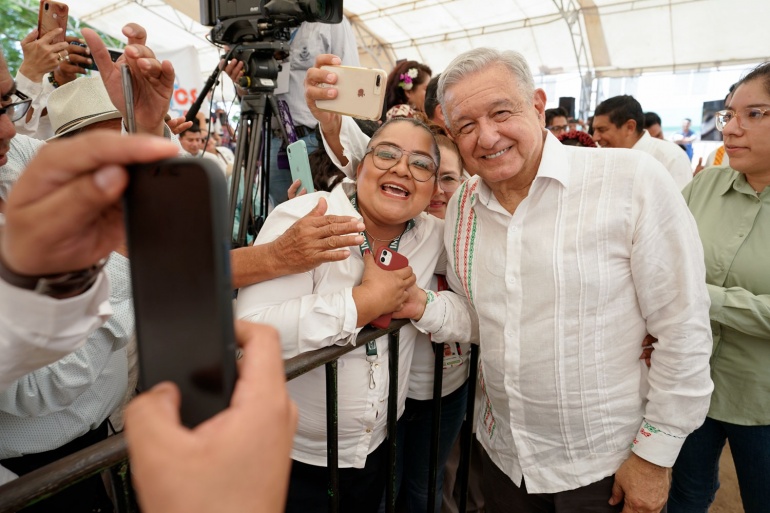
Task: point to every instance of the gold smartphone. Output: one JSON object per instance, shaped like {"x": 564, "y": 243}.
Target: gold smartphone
{"x": 360, "y": 92}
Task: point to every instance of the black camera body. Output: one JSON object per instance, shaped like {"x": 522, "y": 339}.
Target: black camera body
{"x": 246, "y": 21}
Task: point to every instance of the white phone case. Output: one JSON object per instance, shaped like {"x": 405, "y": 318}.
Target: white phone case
{"x": 361, "y": 92}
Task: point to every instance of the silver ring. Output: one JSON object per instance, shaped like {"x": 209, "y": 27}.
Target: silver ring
{"x": 67, "y": 58}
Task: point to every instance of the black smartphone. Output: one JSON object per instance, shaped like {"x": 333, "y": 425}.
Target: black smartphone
{"x": 178, "y": 246}
{"x": 114, "y": 55}
{"x": 128, "y": 97}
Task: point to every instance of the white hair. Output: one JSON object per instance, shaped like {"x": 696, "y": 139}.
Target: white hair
{"x": 478, "y": 59}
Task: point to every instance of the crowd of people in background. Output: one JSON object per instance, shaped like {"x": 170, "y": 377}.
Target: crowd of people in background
{"x": 572, "y": 252}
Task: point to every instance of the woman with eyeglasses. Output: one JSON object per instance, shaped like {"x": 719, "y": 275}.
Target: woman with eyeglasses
{"x": 732, "y": 208}
{"x": 415, "y": 427}
{"x": 329, "y": 305}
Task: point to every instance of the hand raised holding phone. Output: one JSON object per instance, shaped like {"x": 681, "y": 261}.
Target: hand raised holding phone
{"x": 381, "y": 291}
{"x": 153, "y": 81}
{"x": 314, "y": 91}
{"x": 41, "y": 54}
{"x": 360, "y": 92}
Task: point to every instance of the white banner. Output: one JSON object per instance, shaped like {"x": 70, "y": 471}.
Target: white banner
{"x": 188, "y": 81}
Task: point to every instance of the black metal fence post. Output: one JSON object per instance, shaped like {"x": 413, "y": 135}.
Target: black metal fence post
{"x": 332, "y": 445}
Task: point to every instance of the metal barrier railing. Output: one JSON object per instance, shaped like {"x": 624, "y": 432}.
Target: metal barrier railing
{"x": 111, "y": 454}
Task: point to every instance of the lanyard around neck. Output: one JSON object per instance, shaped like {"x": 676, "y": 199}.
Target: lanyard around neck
{"x": 365, "y": 245}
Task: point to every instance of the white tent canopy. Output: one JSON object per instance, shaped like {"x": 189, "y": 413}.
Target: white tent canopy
{"x": 592, "y": 38}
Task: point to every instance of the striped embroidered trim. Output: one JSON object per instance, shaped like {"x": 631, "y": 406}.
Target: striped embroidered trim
{"x": 465, "y": 238}
{"x": 647, "y": 430}
{"x": 430, "y": 297}
{"x": 720, "y": 155}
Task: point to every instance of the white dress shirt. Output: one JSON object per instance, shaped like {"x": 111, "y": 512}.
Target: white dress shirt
{"x": 315, "y": 309}
{"x": 36, "y": 330}
{"x": 55, "y": 404}
{"x": 601, "y": 252}
{"x": 671, "y": 155}
{"x": 422, "y": 373}
{"x": 38, "y": 126}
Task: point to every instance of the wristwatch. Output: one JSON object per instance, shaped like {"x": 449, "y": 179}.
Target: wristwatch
{"x": 58, "y": 286}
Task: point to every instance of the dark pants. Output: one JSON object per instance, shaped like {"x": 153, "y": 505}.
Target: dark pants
{"x": 85, "y": 496}
{"x": 361, "y": 489}
{"x": 414, "y": 439}
{"x": 502, "y": 496}
{"x": 696, "y": 471}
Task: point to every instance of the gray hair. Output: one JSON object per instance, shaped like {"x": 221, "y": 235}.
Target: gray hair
{"x": 477, "y": 59}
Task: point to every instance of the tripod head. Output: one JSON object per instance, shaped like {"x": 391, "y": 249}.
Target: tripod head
{"x": 260, "y": 67}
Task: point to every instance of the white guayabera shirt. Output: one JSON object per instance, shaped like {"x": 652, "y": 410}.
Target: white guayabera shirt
{"x": 601, "y": 252}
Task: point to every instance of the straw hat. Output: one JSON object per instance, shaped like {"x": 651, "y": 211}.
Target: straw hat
{"x": 79, "y": 103}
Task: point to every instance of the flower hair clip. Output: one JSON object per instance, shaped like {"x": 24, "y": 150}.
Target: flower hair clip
{"x": 407, "y": 79}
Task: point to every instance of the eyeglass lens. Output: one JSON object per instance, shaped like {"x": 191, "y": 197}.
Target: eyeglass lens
{"x": 746, "y": 119}
{"x": 386, "y": 156}
{"x": 448, "y": 183}
{"x": 16, "y": 110}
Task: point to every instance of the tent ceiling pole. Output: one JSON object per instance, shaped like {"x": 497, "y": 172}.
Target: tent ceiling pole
{"x": 570, "y": 10}
{"x": 367, "y": 41}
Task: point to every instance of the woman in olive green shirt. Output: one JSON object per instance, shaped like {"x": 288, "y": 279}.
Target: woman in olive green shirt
{"x": 732, "y": 208}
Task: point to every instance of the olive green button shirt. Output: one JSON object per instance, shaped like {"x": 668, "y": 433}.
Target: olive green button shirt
{"x": 734, "y": 225}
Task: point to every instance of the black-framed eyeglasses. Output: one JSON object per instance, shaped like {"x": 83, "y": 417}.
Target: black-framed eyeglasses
{"x": 17, "y": 110}
{"x": 385, "y": 156}
{"x": 747, "y": 118}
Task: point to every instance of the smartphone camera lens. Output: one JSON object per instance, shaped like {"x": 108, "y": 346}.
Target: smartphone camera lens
{"x": 379, "y": 79}
{"x": 382, "y": 259}
{"x": 46, "y": 6}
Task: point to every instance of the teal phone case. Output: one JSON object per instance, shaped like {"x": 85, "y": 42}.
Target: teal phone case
{"x": 300, "y": 165}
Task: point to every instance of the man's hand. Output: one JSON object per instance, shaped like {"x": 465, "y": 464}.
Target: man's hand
{"x": 233, "y": 69}
{"x": 78, "y": 59}
{"x": 647, "y": 349}
{"x": 641, "y": 485}
{"x": 75, "y": 186}
{"x": 213, "y": 467}
{"x": 699, "y": 167}
{"x": 311, "y": 241}
{"x": 178, "y": 125}
{"x": 153, "y": 80}
{"x": 381, "y": 292}
{"x": 316, "y": 239}
{"x": 414, "y": 307}
{"x": 40, "y": 55}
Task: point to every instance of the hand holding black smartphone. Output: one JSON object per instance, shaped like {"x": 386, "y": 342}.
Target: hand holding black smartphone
{"x": 178, "y": 247}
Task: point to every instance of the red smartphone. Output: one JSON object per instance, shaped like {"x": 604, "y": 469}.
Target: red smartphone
{"x": 52, "y": 15}
{"x": 389, "y": 260}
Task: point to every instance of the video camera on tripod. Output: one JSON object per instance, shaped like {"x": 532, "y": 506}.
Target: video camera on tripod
{"x": 256, "y": 32}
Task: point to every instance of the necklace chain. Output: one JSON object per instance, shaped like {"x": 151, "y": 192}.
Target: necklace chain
{"x": 383, "y": 240}
{"x": 379, "y": 240}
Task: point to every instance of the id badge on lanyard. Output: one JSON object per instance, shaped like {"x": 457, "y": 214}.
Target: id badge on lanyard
{"x": 452, "y": 350}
